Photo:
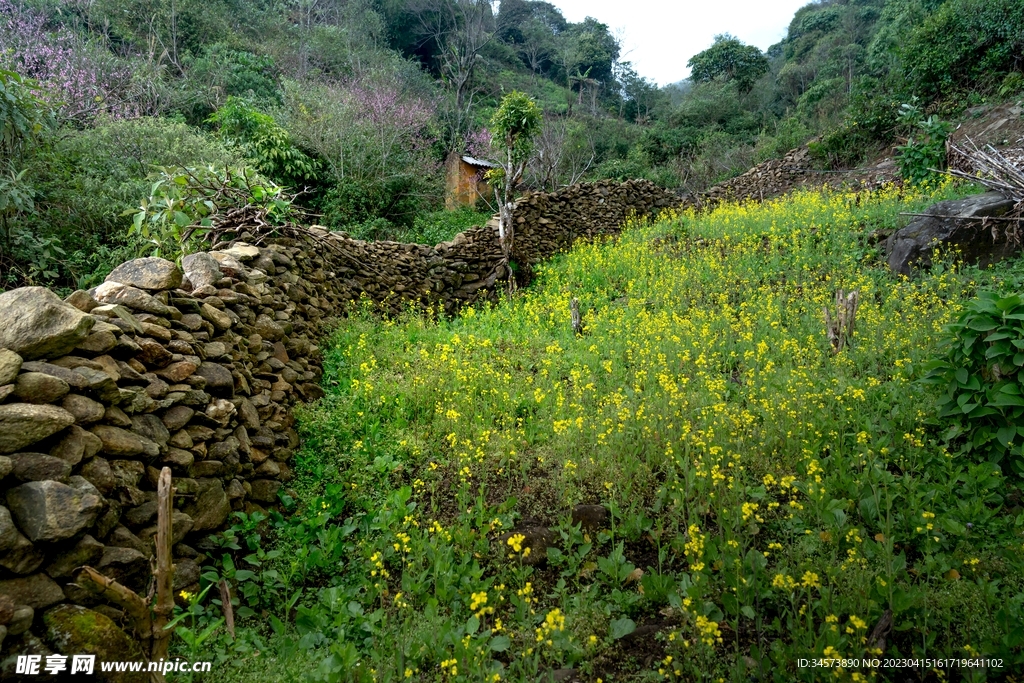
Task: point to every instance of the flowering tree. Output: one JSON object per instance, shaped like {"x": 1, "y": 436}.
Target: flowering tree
{"x": 76, "y": 78}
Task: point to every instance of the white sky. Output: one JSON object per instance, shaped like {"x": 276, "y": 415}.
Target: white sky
{"x": 660, "y": 36}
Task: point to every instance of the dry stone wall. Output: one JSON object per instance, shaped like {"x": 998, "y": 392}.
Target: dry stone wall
{"x": 197, "y": 368}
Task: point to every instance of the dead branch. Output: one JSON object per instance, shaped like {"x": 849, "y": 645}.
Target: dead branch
{"x": 164, "y": 609}
{"x": 840, "y": 328}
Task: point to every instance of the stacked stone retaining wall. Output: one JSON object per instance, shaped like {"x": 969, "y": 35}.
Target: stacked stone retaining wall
{"x": 197, "y": 369}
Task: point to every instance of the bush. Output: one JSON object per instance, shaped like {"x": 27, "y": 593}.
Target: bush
{"x": 355, "y": 206}
{"x": 927, "y": 150}
{"x": 981, "y": 372}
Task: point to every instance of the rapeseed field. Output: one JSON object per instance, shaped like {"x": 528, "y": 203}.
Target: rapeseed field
{"x": 764, "y": 500}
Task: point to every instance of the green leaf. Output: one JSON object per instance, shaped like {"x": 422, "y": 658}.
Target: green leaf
{"x": 621, "y": 627}
{"x": 747, "y": 611}
{"x": 472, "y": 625}
{"x": 962, "y": 375}
{"x": 499, "y": 643}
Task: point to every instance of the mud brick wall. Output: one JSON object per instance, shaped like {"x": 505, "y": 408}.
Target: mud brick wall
{"x": 197, "y": 368}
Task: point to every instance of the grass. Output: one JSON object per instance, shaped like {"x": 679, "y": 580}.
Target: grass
{"x": 768, "y": 500}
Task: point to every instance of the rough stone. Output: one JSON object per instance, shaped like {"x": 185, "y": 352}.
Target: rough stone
{"x": 242, "y": 251}
{"x": 37, "y": 324}
{"x": 36, "y": 387}
{"x": 98, "y": 473}
{"x": 76, "y": 446}
{"x": 87, "y": 551}
{"x": 210, "y": 506}
{"x": 120, "y": 443}
{"x": 129, "y": 297}
{"x": 219, "y": 381}
{"x": 177, "y": 417}
{"x": 125, "y": 565}
{"x": 179, "y": 371}
{"x": 51, "y": 511}
{"x": 219, "y": 319}
{"x": 21, "y": 620}
{"x": 954, "y": 224}
{"x": 201, "y": 269}
{"x": 100, "y": 341}
{"x": 40, "y": 467}
{"x": 267, "y": 328}
{"x": 265, "y": 490}
{"x": 228, "y": 264}
{"x": 36, "y": 591}
{"x": 77, "y": 629}
{"x": 147, "y": 273}
{"x": 151, "y": 427}
{"x": 23, "y": 424}
{"x": 83, "y": 408}
{"x": 10, "y": 364}
{"x": 5, "y": 466}
{"x": 81, "y": 300}
{"x": 22, "y": 557}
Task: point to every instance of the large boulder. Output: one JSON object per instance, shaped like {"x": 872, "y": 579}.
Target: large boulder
{"x": 38, "y": 387}
{"x": 23, "y": 424}
{"x": 72, "y": 629}
{"x": 147, "y": 273}
{"x": 37, "y": 324}
{"x": 51, "y": 511}
{"x": 956, "y": 224}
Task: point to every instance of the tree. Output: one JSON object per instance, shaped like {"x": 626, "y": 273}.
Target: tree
{"x": 730, "y": 60}
{"x": 22, "y": 117}
{"x": 514, "y": 126}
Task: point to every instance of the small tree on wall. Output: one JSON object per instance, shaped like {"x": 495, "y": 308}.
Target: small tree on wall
{"x": 513, "y": 128}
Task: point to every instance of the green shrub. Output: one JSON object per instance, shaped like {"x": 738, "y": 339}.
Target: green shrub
{"x": 981, "y": 371}
{"x": 265, "y": 143}
{"x": 926, "y": 150}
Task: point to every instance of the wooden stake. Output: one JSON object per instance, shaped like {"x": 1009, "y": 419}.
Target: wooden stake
{"x": 164, "y": 609}
{"x": 576, "y": 317}
{"x": 226, "y": 607}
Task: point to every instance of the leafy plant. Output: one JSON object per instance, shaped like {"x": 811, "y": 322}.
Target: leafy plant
{"x": 264, "y": 142}
{"x": 187, "y": 206}
{"x": 927, "y": 150}
{"x": 982, "y": 372}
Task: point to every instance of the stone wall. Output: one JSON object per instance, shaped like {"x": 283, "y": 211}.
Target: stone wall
{"x": 197, "y": 369}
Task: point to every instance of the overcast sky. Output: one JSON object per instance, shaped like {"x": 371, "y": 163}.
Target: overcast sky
{"x": 660, "y": 36}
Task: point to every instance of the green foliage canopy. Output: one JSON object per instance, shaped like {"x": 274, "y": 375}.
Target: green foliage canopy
{"x": 730, "y": 59}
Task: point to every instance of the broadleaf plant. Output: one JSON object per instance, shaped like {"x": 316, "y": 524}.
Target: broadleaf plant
{"x": 982, "y": 372}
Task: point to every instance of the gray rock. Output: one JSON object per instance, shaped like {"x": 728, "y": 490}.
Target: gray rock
{"x": 181, "y": 524}
{"x": 210, "y": 506}
{"x": 8, "y": 532}
{"x": 122, "y": 537}
{"x": 242, "y": 251}
{"x": 37, "y": 387}
{"x": 86, "y": 552}
{"x": 219, "y": 319}
{"x": 98, "y": 473}
{"x": 81, "y": 300}
{"x": 51, "y": 511}
{"x": 201, "y": 269}
{"x": 40, "y": 467}
{"x": 37, "y": 324}
{"x": 22, "y": 557}
{"x": 219, "y": 381}
{"x": 147, "y": 273}
{"x": 37, "y": 591}
{"x": 5, "y": 466}
{"x": 10, "y": 364}
{"x": 100, "y": 384}
{"x": 265, "y": 490}
{"x": 21, "y": 620}
{"x": 129, "y": 297}
{"x": 120, "y": 313}
{"x": 177, "y": 417}
{"x": 267, "y": 328}
{"x": 77, "y": 629}
{"x": 83, "y": 408}
{"x": 229, "y": 265}
{"x": 151, "y": 427}
{"x": 76, "y": 446}
{"x": 100, "y": 341}
{"x": 125, "y": 565}
{"x": 948, "y": 227}
{"x": 120, "y": 443}
{"x": 23, "y": 424}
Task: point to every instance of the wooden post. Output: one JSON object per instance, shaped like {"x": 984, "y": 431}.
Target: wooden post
{"x": 840, "y": 328}
{"x": 577, "y": 318}
{"x": 164, "y": 609}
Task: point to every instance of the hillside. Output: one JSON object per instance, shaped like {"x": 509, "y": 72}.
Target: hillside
{"x": 354, "y": 105}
